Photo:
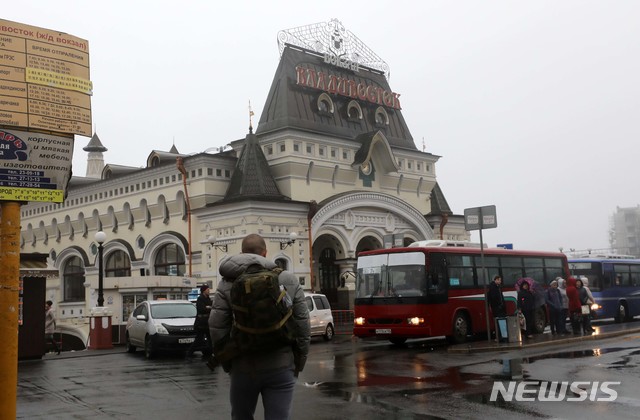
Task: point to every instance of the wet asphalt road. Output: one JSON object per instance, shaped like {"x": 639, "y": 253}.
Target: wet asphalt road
{"x": 344, "y": 379}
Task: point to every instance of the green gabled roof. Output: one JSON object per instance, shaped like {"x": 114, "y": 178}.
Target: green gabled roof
{"x": 252, "y": 177}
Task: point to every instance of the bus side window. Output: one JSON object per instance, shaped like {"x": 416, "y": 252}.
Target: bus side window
{"x": 635, "y": 278}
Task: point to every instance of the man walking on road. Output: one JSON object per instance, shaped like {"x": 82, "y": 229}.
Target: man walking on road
{"x": 201, "y": 324}
{"x": 50, "y": 325}
{"x": 269, "y": 373}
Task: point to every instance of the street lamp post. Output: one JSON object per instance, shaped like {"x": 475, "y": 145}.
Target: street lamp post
{"x": 100, "y": 238}
{"x": 100, "y": 330}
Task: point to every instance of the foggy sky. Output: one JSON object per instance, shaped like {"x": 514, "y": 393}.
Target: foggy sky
{"x": 532, "y": 105}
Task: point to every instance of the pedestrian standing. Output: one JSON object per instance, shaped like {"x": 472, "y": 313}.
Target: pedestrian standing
{"x": 585, "y": 301}
{"x": 575, "y": 307}
{"x": 496, "y": 302}
{"x": 271, "y": 374}
{"x": 50, "y": 325}
{"x": 562, "y": 288}
{"x": 201, "y": 324}
{"x": 553, "y": 300}
{"x": 496, "y": 298}
{"x": 526, "y": 305}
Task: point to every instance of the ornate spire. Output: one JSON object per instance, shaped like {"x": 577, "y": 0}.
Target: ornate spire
{"x": 250, "y": 115}
{"x": 333, "y": 39}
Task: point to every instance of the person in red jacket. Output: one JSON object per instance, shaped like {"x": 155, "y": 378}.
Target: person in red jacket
{"x": 575, "y": 306}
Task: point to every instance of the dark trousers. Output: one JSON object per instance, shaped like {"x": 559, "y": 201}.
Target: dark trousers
{"x": 576, "y": 322}
{"x": 529, "y": 317}
{"x": 586, "y": 323}
{"x": 202, "y": 342}
{"x": 556, "y": 321}
{"x": 52, "y": 340}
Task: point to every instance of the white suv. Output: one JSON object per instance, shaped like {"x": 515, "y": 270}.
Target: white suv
{"x": 320, "y": 316}
{"x": 161, "y": 325}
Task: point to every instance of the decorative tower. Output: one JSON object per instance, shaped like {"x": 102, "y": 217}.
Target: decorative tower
{"x": 95, "y": 160}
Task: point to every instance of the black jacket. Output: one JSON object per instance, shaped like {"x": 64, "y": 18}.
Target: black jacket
{"x": 526, "y": 300}
{"x": 496, "y": 300}
{"x": 202, "y": 319}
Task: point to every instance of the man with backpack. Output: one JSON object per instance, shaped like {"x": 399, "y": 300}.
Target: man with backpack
{"x": 260, "y": 329}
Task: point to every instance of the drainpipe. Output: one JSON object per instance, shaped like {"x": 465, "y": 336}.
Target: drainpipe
{"x": 183, "y": 171}
{"x": 313, "y": 209}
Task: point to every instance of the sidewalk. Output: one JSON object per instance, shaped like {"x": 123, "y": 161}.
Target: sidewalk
{"x": 479, "y": 345}
{"x": 80, "y": 353}
{"x": 546, "y": 339}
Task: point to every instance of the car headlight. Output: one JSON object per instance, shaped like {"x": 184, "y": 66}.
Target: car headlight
{"x": 359, "y": 321}
{"x": 595, "y": 307}
{"x": 160, "y": 329}
{"x": 415, "y": 320}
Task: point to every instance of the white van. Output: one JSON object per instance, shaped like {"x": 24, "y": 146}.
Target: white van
{"x": 320, "y": 316}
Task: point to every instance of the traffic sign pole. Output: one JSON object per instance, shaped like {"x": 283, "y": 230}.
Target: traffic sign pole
{"x": 9, "y": 306}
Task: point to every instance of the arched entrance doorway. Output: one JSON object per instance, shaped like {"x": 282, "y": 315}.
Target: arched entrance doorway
{"x": 368, "y": 243}
{"x": 329, "y": 274}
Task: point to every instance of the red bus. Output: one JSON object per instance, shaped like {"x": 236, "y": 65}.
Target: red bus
{"x": 429, "y": 291}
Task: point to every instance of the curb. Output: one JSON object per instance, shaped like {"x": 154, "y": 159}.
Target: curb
{"x": 493, "y": 346}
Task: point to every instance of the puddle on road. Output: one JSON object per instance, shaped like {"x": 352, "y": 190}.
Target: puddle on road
{"x": 581, "y": 353}
{"x": 340, "y": 390}
{"x": 512, "y": 369}
{"x": 512, "y": 407}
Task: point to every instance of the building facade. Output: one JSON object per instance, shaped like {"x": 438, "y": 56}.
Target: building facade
{"x": 330, "y": 171}
{"x": 625, "y": 231}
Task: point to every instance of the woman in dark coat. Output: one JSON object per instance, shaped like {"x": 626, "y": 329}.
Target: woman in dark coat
{"x": 526, "y": 305}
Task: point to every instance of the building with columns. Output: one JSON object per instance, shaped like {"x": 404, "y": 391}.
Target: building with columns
{"x": 331, "y": 161}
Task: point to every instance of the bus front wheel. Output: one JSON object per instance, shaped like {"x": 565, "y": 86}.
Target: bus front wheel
{"x": 460, "y": 330}
{"x": 621, "y": 316}
{"x": 540, "y": 320}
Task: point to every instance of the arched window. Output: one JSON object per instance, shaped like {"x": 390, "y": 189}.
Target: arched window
{"x": 325, "y": 104}
{"x": 118, "y": 264}
{"x": 282, "y": 263}
{"x": 354, "y": 111}
{"x": 381, "y": 117}
{"x": 45, "y": 234}
{"x": 145, "y": 210}
{"x": 113, "y": 219}
{"x": 73, "y": 279}
{"x": 162, "y": 203}
{"x": 170, "y": 261}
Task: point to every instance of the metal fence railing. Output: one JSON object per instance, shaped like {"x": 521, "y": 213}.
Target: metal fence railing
{"x": 343, "y": 321}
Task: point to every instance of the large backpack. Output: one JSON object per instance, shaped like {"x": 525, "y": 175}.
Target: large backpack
{"x": 261, "y": 308}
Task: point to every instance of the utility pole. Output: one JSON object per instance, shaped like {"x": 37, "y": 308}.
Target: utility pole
{"x": 9, "y": 306}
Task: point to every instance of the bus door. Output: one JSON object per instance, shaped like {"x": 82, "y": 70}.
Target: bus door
{"x": 437, "y": 278}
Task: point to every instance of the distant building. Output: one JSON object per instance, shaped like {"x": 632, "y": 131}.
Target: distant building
{"x": 625, "y": 231}
{"x": 332, "y": 162}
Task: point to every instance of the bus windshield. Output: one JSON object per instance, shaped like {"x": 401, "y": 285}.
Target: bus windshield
{"x": 391, "y": 275}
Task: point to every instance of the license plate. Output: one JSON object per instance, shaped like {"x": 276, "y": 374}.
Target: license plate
{"x": 383, "y": 331}
{"x": 186, "y": 340}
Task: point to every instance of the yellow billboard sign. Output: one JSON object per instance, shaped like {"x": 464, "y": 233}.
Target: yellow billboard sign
{"x": 51, "y": 70}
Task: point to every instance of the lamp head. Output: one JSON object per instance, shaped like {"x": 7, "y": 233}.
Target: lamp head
{"x": 100, "y": 237}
